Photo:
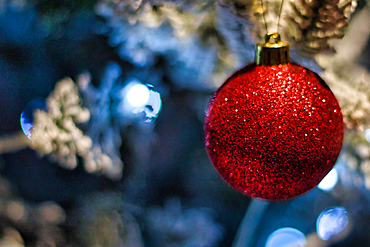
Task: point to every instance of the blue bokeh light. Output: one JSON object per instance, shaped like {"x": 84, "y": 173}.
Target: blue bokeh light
{"x": 331, "y": 222}
{"x": 27, "y": 114}
{"x": 286, "y": 237}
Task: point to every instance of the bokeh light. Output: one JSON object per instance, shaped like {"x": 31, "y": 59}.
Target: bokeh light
{"x": 286, "y": 237}
{"x": 331, "y": 222}
{"x": 137, "y": 94}
{"x": 140, "y": 98}
{"x": 153, "y": 106}
{"x": 367, "y": 135}
{"x": 329, "y": 181}
{"x": 27, "y": 114}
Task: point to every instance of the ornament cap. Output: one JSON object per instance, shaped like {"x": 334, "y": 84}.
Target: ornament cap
{"x": 273, "y": 51}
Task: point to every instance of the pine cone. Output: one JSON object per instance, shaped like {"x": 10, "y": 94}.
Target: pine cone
{"x": 315, "y": 22}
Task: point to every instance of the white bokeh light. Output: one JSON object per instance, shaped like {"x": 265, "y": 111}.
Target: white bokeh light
{"x": 140, "y": 100}
{"x": 286, "y": 237}
{"x": 367, "y": 135}
{"x": 331, "y": 222}
{"x": 329, "y": 181}
{"x": 137, "y": 94}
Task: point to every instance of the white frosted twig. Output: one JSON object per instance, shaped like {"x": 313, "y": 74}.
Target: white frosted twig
{"x": 55, "y": 133}
{"x": 347, "y": 79}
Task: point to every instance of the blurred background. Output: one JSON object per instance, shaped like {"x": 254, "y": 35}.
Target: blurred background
{"x": 102, "y": 106}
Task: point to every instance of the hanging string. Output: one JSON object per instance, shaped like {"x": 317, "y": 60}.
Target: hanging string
{"x": 281, "y": 8}
{"x": 263, "y": 14}
{"x": 264, "y": 17}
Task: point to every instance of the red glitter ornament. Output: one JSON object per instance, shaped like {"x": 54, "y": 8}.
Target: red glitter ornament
{"x": 273, "y": 132}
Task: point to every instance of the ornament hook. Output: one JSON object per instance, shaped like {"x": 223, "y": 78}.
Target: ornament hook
{"x": 272, "y": 38}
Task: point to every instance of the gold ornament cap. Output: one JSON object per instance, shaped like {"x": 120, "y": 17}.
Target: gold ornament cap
{"x": 273, "y": 51}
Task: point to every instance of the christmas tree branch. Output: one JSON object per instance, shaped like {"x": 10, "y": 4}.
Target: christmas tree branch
{"x": 14, "y": 143}
{"x": 248, "y": 226}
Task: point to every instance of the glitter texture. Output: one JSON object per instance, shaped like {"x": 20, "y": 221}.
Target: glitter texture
{"x": 273, "y": 132}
